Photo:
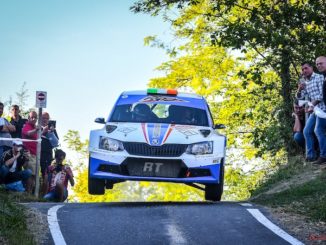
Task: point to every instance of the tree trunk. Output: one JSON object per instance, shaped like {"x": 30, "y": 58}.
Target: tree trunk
{"x": 285, "y": 114}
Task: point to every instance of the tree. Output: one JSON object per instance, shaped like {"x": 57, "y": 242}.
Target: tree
{"x": 280, "y": 33}
{"x": 22, "y": 97}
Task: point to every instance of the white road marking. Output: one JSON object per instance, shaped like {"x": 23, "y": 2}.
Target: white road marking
{"x": 274, "y": 228}
{"x": 246, "y": 204}
{"x": 54, "y": 226}
{"x": 175, "y": 235}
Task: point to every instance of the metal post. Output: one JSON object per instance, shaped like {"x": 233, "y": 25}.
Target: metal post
{"x": 38, "y": 154}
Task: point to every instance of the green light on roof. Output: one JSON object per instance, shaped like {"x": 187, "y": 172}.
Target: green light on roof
{"x": 152, "y": 91}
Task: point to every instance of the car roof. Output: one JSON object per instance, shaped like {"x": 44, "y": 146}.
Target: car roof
{"x": 144, "y": 92}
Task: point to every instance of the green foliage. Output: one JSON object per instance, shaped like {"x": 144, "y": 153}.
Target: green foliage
{"x": 272, "y": 37}
{"x": 12, "y": 221}
{"x": 243, "y": 56}
{"x": 22, "y": 96}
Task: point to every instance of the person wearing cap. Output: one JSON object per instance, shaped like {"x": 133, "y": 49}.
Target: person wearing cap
{"x": 15, "y": 166}
{"x": 57, "y": 177}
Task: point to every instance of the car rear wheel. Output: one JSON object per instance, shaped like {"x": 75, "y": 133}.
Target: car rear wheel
{"x": 213, "y": 192}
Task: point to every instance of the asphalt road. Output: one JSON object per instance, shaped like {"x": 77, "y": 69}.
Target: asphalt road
{"x": 159, "y": 223}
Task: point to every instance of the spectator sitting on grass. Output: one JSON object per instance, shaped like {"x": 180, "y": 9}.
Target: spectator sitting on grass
{"x": 56, "y": 178}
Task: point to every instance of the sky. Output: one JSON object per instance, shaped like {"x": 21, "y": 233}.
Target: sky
{"x": 83, "y": 53}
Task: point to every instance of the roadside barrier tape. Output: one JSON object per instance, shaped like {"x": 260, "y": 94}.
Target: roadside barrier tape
{"x": 23, "y": 140}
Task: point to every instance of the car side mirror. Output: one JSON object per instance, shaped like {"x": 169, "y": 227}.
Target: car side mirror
{"x": 100, "y": 120}
{"x": 219, "y": 126}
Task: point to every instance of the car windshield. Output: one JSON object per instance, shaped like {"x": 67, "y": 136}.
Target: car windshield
{"x": 159, "y": 113}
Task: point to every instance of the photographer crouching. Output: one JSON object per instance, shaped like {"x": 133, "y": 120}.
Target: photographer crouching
{"x": 14, "y": 168}
{"x": 57, "y": 177}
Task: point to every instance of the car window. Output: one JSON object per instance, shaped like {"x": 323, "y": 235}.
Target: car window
{"x": 159, "y": 113}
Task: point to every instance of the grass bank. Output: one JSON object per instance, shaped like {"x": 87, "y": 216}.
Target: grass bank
{"x": 14, "y": 229}
{"x": 297, "y": 188}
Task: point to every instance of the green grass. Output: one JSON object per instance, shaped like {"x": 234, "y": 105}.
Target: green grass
{"x": 294, "y": 167}
{"x": 12, "y": 219}
{"x": 308, "y": 199}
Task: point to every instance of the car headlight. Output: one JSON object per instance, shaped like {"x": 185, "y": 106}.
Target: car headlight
{"x": 110, "y": 144}
{"x": 200, "y": 148}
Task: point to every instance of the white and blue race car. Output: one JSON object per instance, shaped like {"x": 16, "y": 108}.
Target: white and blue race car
{"x": 158, "y": 135}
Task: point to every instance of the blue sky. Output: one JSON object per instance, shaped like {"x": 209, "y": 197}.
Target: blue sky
{"x": 83, "y": 53}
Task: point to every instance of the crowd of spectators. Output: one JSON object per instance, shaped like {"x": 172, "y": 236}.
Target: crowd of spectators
{"x": 310, "y": 112}
{"x": 18, "y": 150}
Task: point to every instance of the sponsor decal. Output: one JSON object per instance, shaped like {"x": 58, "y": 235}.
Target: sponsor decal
{"x": 150, "y": 99}
{"x": 152, "y": 167}
{"x": 156, "y": 134}
{"x": 187, "y": 130}
{"x": 126, "y": 130}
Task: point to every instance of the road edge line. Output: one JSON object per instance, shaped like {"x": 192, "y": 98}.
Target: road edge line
{"x": 54, "y": 226}
{"x": 274, "y": 228}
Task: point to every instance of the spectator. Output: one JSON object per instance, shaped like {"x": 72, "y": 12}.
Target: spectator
{"x": 17, "y": 121}
{"x": 14, "y": 161}
{"x": 29, "y": 131}
{"x": 56, "y": 178}
{"x": 299, "y": 122}
{"x": 46, "y": 146}
{"x": 321, "y": 66}
{"x": 312, "y": 88}
{"x": 321, "y": 122}
{"x": 5, "y": 129}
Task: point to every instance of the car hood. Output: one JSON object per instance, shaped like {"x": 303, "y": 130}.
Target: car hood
{"x": 157, "y": 134}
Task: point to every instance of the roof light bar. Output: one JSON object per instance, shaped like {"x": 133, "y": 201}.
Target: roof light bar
{"x": 162, "y": 91}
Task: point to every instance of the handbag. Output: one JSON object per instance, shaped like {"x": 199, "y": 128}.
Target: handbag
{"x": 53, "y": 139}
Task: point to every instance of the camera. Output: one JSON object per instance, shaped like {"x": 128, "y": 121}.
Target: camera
{"x": 52, "y": 123}
{"x": 21, "y": 150}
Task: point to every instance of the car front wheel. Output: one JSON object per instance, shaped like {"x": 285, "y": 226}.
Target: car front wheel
{"x": 213, "y": 192}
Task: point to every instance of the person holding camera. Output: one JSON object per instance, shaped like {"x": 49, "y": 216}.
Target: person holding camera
{"x": 48, "y": 133}
{"x": 15, "y": 166}
{"x": 57, "y": 177}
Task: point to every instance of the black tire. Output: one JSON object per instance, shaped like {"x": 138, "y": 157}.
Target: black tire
{"x": 95, "y": 186}
{"x": 213, "y": 192}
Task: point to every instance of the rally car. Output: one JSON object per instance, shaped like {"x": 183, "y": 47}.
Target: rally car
{"x": 158, "y": 135}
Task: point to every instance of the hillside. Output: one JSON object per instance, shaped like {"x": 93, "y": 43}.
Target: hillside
{"x": 296, "y": 197}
